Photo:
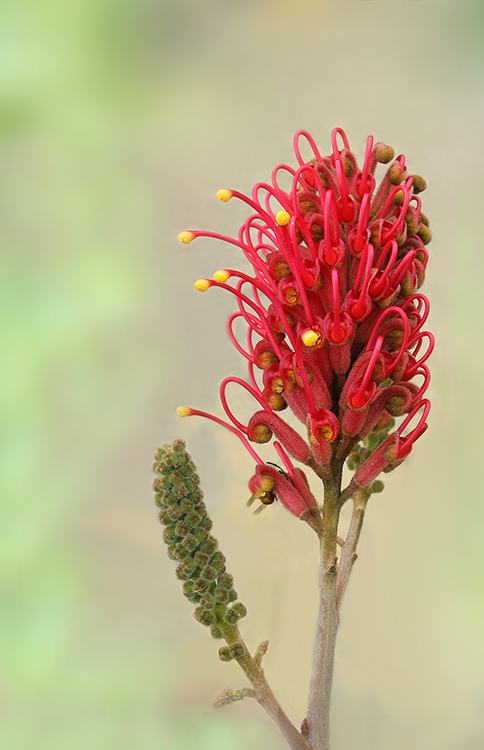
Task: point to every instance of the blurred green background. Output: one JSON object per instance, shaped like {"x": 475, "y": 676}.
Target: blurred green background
{"x": 119, "y": 121}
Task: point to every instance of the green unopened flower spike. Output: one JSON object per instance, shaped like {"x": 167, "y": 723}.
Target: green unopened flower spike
{"x": 201, "y": 565}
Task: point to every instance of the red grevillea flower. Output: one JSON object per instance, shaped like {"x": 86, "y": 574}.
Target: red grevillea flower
{"x": 334, "y": 316}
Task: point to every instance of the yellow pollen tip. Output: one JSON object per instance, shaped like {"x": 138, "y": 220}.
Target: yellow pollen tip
{"x": 221, "y": 276}
{"x": 183, "y": 411}
{"x": 201, "y": 285}
{"x": 224, "y": 195}
{"x": 283, "y": 218}
{"x": 310, "y": 337}
{"x": 186, "y": 237}
{"x": 326, "y": 432}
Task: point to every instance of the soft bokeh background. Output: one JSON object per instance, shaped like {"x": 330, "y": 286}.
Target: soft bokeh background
{"x": 119, "y": 121}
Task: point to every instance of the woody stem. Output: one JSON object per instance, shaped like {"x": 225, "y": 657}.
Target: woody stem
{"x": 264, "y": 694}
{"x": 328, "y": 619}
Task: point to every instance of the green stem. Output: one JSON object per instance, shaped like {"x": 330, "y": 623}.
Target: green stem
{"x": 264, "y": 694}
{"x": 328, "y": 621}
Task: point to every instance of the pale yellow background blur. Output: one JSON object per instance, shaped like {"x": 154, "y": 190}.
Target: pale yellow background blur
{"x": 120, "y": 120}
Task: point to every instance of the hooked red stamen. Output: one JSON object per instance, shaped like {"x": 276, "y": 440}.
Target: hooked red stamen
{"x": 406, "y": 332}
{"x": 334, "y": 134}
{"x": 240, "y": 435}
{"x": 365, "y": 183}
{"x": 331, "y": 242}
{"x": 338, "y": 331}
{"x": 379, "y": 282}
{"x": 358, "y": 236}
{"x": 360, "y": 397}
{"x": 358, "y": 308}
{"x": 407, "y": 441}
{"x": 346, "y": 203}
{"x": 311, "y": 142}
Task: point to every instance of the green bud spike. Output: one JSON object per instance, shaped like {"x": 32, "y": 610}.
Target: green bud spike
{"x": 187, "y": 533}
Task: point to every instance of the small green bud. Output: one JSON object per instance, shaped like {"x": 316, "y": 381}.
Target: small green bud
{"x": 207, "y": 601}
{"x": 236, "y": 650}
{"x": 190, "y": 542}
{"x": 226, "y": 581}
{"x": 186, "y": 569}
{"x": 200, "y": 585}
{"x": 377, "y": 486}
{"x": 240, "y": 609}
{"x": 178, "y": 552}
{"x": 209, "y": 546}
{"x": 169, "y": 535}
{"x": 215, "y": 631}
{"x": 206, "y": 523}
{"x": 182, "y": 528}
{"x": 204, "y": 616}
{"x": 218, "y": 562}
{"x": 201, "y": 535}
{"x": 201, "y": 558}
{"x": 233, "y": 596}
{"x": 221, "y": 595}
{"x": 224, "y": 653}
{"x": 208, "y": 573}
{"x": 193, "y": 519}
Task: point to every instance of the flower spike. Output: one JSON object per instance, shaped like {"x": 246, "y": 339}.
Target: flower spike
{"x": 334, "y": 318}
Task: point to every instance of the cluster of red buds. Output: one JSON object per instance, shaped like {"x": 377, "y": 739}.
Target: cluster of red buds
{"x": 334, "y": 316}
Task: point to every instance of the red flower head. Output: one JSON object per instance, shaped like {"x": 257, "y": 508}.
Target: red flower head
{"x": 333, "y": 313}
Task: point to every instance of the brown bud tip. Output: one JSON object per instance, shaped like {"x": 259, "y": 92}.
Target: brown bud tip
{"x": 261, "y": 433}
{"x": 384, "y": 154}
{"x": 425, "y": 234}
{"x": 419, "y": 184}
{"x": 398, "y": 198}
{"x": 395, "y": 174}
